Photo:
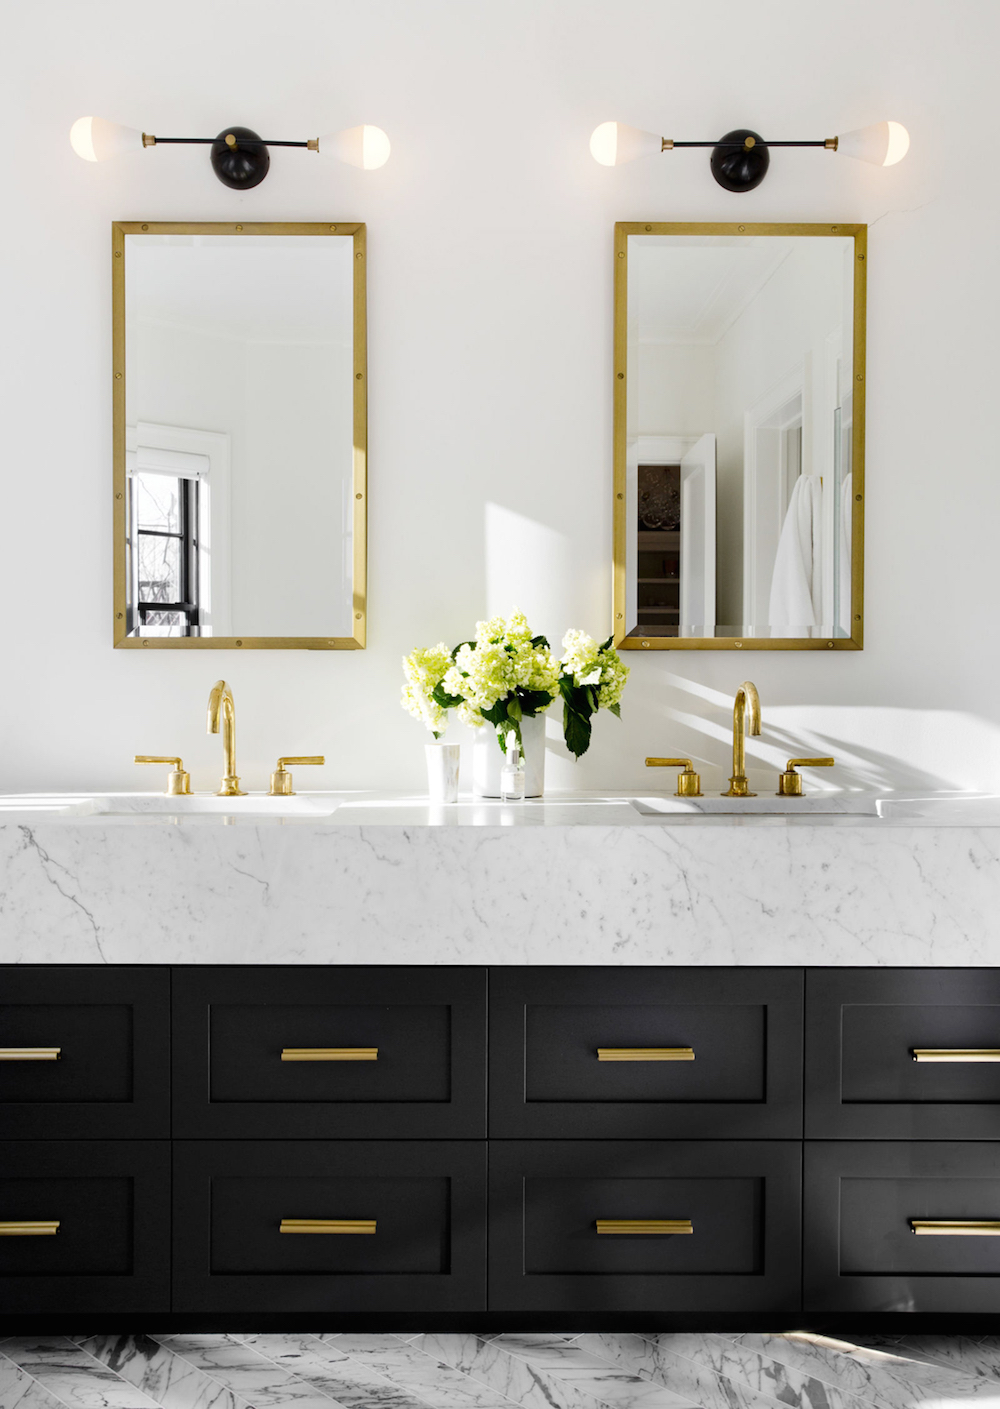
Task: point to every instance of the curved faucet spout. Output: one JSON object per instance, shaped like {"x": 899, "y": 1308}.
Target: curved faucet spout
{"x": 746, "y": 720}
{"x": 221, "y": 708}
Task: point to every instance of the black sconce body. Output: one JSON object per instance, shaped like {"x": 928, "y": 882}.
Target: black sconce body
{"x": 738, "y": 166}
{"x": 239, "y": 158}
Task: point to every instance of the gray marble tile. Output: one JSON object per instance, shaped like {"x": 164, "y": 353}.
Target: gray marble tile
{"x": 19, "y": 1391}
{"x": 569, "y": 1359}
{"x": 246, "y": 1372}
{"x": 405, "y": 1364}
{"x": 168, "y": 1380}
{"x": 973, "y": 1355}
{"x": 347, "y": 1382}
{"x": 888, "y": 1380}
{"x": 72, "y": 1376}
{"x": 653, "y": 1359}
{"x": 529, "y": 1385}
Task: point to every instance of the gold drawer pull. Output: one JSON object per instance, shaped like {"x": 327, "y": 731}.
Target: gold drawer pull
{"x": 956, "y": 1054}
{"x": 644, "y": 1225}
{"x": 329, "y": 1054}
{"x": 328, "y": 1225}
{"x": 45, "y": 1229}
{"x": 645, "y": 1054}
{"x": 951, "y": 1228}
{"x": 29, "y": 1054}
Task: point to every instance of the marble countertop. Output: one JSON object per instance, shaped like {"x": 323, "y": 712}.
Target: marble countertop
{"x": 385, "y": 881}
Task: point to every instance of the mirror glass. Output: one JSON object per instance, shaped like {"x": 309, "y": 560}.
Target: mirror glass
{"x": 241, "y": 436}
{"x": 741, "y": 439}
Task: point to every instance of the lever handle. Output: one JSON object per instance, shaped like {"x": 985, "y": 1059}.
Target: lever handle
{"x": 688, "y": 782}
{"x": 790, "y": 783}
{"x": 281, "y": 779}
{"x": 179, "y": 782}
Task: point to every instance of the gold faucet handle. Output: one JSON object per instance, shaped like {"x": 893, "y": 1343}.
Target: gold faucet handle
{"x": 179, "y": 782}
{"x": 790, "y": 783}
{"x": 688, "y": 782}
{"x": 281, "y": 779}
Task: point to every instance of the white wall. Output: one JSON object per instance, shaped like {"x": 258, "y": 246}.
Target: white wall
{"x": 490, "y": 298}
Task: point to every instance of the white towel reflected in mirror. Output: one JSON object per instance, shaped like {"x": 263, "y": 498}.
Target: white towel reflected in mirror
{"x": 796, "y": 587}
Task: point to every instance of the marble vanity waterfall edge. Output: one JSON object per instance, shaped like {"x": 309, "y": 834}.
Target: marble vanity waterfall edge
{"x": 858, "y": 893}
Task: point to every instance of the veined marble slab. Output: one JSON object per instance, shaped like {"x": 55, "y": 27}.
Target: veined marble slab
{"x": 594, "y": 883}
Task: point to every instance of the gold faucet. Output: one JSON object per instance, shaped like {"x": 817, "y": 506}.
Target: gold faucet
{"x": 747, "y": 698}
{"x": 220, "y": 703}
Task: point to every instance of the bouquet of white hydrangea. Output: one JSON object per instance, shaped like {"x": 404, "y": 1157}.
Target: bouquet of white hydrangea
{"x": 592, "y": 678}
{"x": 506, "y": 673}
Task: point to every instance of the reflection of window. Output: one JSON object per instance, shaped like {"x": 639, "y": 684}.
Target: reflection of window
{"x": 163, "y": 544}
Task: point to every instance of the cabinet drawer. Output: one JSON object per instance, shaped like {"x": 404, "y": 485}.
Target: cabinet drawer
{"x": 421, "y": 1208}
{"x": 861, "y": 1250}
{"x": 548, "y": 1201}
{"x": 106, "y": 1206}
{"x": 863, "y": 1027}
{"x": 329, "y": 1052}
{"x": 84, "y": 1052}
{"x": 647, "y": 1053}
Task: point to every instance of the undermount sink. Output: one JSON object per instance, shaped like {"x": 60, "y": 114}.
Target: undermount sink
{"x": 829, "y": 804}
{"x": 205, "y": 804}
{"x": 975, "y": 809}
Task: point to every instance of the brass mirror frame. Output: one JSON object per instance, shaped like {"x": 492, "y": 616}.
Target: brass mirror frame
{"x": 855, "y": 641}
{"x": 354, "y": 642}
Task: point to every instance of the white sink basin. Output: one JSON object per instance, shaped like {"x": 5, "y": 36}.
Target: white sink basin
{"x": 828, "y": 804}
{"x": 972, "y": 809}
{"x": 205, "y": 804}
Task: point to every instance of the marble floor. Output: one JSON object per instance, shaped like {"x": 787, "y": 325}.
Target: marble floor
{"x": 788, "y": 1371}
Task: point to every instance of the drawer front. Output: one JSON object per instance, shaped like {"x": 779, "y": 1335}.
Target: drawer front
{"x": 645, "y": 1053}
{"x": 335, "y": 1226}
{"x": 862, "y": 1251}
{"x": 331, "y": 1052}
{"x": 563, "y": 1234}
{"x": 84, "y": 1052}
{"x": 84, "y": 1224}
{"x": 863, "y": 1027}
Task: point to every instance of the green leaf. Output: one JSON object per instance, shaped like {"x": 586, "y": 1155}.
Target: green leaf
{"x": 440, "y": 696}
{"x": 534, "y": 700}
{"x": 607, "y": 643}
{"x": 616, "y": 710}
{"x": 496, "y": 714}
{"x": 541, "y": 641}
{"x": 514, "y": 708}
{"x": 567, "y": 688}
{"x": 576, "y": 731}
{"x": 591, "y": 694}
{"x": 459, "y": 647}
{"x": 435, "y": 733}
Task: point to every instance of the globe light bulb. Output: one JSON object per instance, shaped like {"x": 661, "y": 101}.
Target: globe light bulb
{"x": 882, "y": 144}
{"x": 95, "y": 139}
{"x": 614, "y": 143}
{"x": 367, "y": 147}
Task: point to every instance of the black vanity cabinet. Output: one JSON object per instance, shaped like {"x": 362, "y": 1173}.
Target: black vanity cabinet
{"x": 461, "y": 1148}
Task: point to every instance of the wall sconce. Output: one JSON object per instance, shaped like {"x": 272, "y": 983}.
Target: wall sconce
{"x": 740, "y": 159}
{"x": 240, "y": 158}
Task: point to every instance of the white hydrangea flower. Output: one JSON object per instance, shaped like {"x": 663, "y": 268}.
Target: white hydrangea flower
{"x": 424, "y": 670}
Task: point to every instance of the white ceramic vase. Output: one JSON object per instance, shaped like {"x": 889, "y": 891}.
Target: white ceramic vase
{"x": 487, "y": 759}
{"x": 442, "y": 771}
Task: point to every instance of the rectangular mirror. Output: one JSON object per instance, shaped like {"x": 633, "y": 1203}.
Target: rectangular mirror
{"x": 739, "y": 436}
{"x": 240, "y": 411}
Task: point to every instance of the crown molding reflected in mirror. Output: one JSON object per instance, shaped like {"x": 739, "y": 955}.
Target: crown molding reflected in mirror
{"x": 739, "y": 436}
{"x": 240, "y": 436}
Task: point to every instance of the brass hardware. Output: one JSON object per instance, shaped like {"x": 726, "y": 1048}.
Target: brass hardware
{"x": 960, "y": 1228}
{"x": 790, "y": 783}
{"x": 666, "y": 145}
{"x": 832, "y": 143}
{"x": 178, "y": 782}
{"x": 281, "y": 780}
{"x": 148, "y": 140}
{"x": 327, "y": 1225}
{"x": 688, "y": 782}
{"x": 29, "y": 1054}
{"x": 329, "y": 1054}
{"x": 645, "y": 1054}
{"x": 221, "y": 704}
{"x": 623, "y": 639}
{"x": 645, "y": 1225}
{"x": 45, "y": 1228}
{"x": 356, "y": 233}
{"x": 956, "y": 1054}
{"x": 747, "y": 698}
{"x": 750, "y": 143}
{"x": 230, "y": 140}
